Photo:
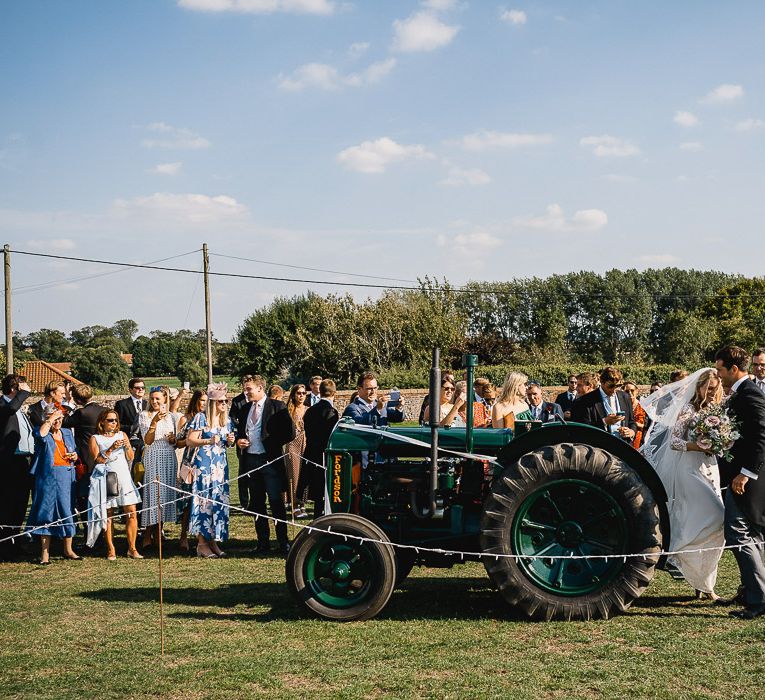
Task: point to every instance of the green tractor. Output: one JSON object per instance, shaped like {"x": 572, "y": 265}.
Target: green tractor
{"x": 568, "y": 520}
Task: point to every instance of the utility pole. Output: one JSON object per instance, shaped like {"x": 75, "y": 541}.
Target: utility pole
{"x": 8, "y": 321}
{"x": 208, "y": 328}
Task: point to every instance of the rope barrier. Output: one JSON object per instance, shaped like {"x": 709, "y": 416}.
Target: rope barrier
{"x": 416, "y": 548}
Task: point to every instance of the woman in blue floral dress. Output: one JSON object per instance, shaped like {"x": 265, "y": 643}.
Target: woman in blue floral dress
{"x": 210, "y": 433}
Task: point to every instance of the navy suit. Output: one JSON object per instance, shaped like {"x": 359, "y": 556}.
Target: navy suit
{"x": 745, "y": 513}
{"x": 564, "y": 401}
{"x": 359, "y": 411}
{"x": 17, "y": 481}
{"x": 550, "y": 412}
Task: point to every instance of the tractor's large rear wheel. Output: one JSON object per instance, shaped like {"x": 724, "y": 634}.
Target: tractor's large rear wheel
{"x": 575, "y": 501}
{"x": 345, "y": 571}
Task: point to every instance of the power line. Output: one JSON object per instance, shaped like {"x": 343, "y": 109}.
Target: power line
{"x": 312, "y": 269}
{"x": 60, "y": 283}
{"x": 216, "y": 274}
{"x": 460, "y": 290}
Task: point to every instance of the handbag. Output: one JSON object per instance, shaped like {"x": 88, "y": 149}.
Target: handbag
{"x": 112, "y": 485}
{"x": 187, "y": 470}
{"x": 138, "y": 471}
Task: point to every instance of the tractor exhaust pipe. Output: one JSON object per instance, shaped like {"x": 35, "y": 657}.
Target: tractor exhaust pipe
{"x": 434, "y": 401}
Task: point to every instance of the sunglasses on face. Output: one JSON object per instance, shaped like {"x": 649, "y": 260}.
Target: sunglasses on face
{"x": 448, "y": 388}
{"x": 300, "y": 393}
{"x": 110, "y": 420}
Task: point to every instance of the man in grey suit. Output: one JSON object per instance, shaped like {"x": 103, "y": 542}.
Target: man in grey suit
{"x": 745, "y": 498}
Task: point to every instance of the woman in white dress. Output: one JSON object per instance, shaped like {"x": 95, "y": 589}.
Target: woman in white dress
{"x": 111, "y": 448}
{"x": 690, "y": 475}
{"x": 158, "y": 429}
{"x": 449, "y": 410}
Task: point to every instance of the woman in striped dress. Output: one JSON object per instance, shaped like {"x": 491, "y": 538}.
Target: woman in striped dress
{"x": 158, "y": 428}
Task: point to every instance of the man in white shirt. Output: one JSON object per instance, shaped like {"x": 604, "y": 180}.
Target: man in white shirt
{"x": 265, "y": 426}
{"x": 758, "y": 368}
{"x": 745, "y": 497}
{"x": 315, "y": 396}
{"x": 16, "y": 448}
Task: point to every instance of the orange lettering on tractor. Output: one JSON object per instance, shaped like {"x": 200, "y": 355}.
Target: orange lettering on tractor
{"x": 336, "y": 481}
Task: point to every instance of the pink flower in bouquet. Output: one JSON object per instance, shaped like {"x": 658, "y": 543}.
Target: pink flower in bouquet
{"x": 712, "y": 421}
{"x": 705, "y": 444}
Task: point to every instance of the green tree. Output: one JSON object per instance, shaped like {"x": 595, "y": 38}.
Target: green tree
{"x": 126, "y": 330}
{"x": 738, "y": 313}
{"x": 101, "y": 365}
{"x": 49, "y": 345}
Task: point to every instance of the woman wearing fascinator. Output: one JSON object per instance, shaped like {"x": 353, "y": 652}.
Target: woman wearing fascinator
{"x": 690, "y": 475}
{"x": 210, "y": 433}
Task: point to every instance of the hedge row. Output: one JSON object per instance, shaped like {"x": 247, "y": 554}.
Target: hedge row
{"x": 545, "y": 374}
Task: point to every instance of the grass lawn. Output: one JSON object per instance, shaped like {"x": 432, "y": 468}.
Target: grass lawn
{"x": 90, "y": 629}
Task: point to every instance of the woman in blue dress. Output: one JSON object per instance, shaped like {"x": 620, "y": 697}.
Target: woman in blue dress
{"x": 55, "y": 496}
{"x": 210, "y": 433}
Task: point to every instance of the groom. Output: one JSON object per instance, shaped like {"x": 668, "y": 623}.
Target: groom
{"x": 745, "y": 498}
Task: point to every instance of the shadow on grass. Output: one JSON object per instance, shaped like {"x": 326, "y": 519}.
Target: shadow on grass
{"x": 452, "y": 598}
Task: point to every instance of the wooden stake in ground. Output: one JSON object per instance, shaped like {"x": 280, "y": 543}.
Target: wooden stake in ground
{"x": 159, "y": 550}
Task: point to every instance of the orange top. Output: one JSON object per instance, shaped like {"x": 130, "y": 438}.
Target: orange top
{"x": 59, "y": 452}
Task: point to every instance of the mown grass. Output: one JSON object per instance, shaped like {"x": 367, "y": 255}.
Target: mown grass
{"x": 90, "y": 629}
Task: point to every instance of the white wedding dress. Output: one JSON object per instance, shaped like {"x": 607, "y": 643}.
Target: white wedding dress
{"x": 696, "y": 511}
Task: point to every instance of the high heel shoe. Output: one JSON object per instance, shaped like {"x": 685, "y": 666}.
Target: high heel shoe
{"x": 703, "y": 595}
{"x": 135, "y": 554}
{"x": 209, "y": 555}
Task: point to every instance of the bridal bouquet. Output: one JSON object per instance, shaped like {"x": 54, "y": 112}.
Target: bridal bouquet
{"x": 715, "y": 430}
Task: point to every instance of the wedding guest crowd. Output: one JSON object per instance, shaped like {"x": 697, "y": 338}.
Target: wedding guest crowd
{"x": 144, "y": 456}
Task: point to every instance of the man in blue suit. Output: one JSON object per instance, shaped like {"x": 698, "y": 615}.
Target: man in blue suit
{"x": 545, "y": 411}
{"x": 370, "y": 407}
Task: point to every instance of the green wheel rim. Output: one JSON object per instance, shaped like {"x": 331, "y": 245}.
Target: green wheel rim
{"x": 564, "y": 518}
{"x": 341, "y": 574}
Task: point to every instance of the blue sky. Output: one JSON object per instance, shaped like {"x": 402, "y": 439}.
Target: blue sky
{"x": 472, "y": 140}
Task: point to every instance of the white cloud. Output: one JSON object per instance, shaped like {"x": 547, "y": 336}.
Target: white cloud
{"x": 723, "y": 93}
{"x": 691, "y": 146}
{"x": 458, "y": 177}
{"x": 554, "y": 220}
{"x": 53, "y": 244}
{"x": 181, "y": 208}
{"x": 374, "y": 73}
{"x": 312, "y": 75}
{"x": 685, "y": 119}
{"x": 167, "y": 168}
{"x": 661, "y": 259}
{"x": 174, "y": 138}
{"x": 516, "y": 17}
{"x": 263, "y": 7}
{"x": 750, "y": 124}
{"x": 358, "y": 48}
{"x": 325, "y": 77}
{"x": 376, "y": 156}
{"x": 488, "y": 140}
{"x": 423, "y": 31}
{"x": 474, "y": 244}
{"x": 609, "y": 146}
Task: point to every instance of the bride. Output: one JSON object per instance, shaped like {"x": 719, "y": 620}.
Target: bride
{"x": 690, "y": 476}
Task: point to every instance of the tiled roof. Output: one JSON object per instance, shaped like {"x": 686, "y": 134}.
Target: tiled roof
{"x": 62, "y": 366}
{"x": 39, "y": 373}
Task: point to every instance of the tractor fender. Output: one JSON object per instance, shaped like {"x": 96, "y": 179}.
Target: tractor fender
{"x": 556, "y": 433}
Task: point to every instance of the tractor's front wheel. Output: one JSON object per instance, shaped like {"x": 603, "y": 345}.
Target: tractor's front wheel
{"x": 342, "y": 569}
{"x": 569, "y": 513}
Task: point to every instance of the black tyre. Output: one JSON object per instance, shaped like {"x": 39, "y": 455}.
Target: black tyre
{"x": 405, "y": 560}
{"x": 342, "y": 578}
{"x": 564, "y": 500}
